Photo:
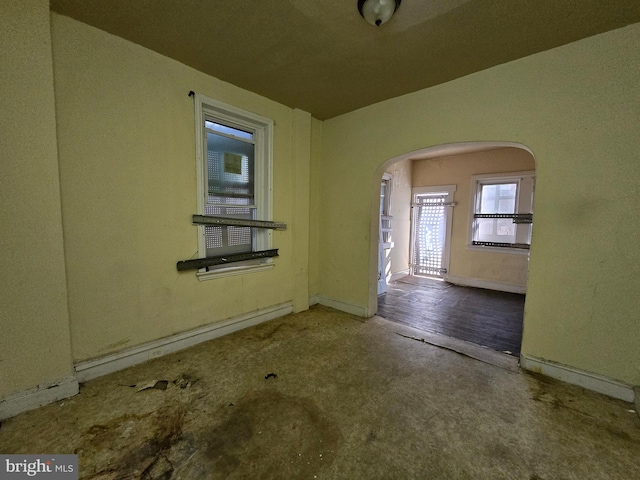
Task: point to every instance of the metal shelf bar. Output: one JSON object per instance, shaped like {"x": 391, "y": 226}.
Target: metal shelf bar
{"x": 198, "y": 263}
{"x": 522, "y": 246}
{"x": 237, "y": 222}
{"x": 516, "y": 217}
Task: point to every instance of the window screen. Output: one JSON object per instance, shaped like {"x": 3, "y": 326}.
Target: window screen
{"x": 230, "y": 187}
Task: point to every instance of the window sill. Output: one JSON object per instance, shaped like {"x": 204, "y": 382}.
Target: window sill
{"x": 482, "y": 248}
{"x": 231, "y": 271}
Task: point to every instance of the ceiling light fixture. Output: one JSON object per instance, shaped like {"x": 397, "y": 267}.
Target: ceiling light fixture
{"x": 377, "y": 12}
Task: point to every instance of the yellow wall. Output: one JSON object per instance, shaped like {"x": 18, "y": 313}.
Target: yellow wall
{"x": 314, "y": 207}
{"x": 34, "y": 328}
{"x": 576, "y": 108}
{"x": 502, "y": 268}
{"x": 127, "y": 169}
{"x": 300, "y": 203}
{"x": 126, "y": 166}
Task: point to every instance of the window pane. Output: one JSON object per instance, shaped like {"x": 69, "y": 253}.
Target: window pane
{"x": 501, "y": 230}
{"x": 485, "y": 227}
{"x": 505, "y": 227}
{"x": 499, "y": 198}
{"x": 228, "y": 130}
{"x": 230, "y": 170}
{"x": 230, "y": 193}
{"x": 496, "y": 198}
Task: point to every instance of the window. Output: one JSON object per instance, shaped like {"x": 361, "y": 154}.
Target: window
{"x": 502, "y": 211}
{"x": 234, "y": 180}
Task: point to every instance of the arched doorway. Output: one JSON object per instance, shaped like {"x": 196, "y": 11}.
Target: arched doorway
{"x": 474, "y": 201}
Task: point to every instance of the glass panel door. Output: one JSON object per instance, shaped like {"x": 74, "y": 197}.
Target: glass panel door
{"x": 429, "y": 230}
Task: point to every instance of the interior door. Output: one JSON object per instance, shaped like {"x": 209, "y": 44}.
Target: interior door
{"x": 384, "y": 233}
{"x": 431, "y": 226}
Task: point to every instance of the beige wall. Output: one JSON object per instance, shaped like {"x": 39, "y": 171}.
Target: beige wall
{"x": 399, "y": 257}
{"x": 34, "y": 338}
{"x": 575, "y": 107}
{"x": 502, "y": 268}
{"x": 314, "y": 208}
{"x": 126, "y": 166}
{"x": 301, "y": 163}
{"x": 128, "y": 176}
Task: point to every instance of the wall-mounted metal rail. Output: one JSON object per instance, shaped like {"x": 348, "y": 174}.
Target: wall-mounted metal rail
{"x": 522, "y": 246}
{"x": 516, "y": 217}
{"x": 434, "y": 204}
{"x": 237, "y": 222}
{"x": 198, "y": 263}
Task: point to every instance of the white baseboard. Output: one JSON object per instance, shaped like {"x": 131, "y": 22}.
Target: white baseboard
{"x": 477, "y": 283}
{"x": 358, "y": 310}
{"x": 118, "y": 361}
{"x": 399, "y": 275}
{"x": 590, "y": 381}
{"x": 37, "y": 397}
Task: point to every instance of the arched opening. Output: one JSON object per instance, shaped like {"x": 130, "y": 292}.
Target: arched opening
{"x": 454, "y": 240}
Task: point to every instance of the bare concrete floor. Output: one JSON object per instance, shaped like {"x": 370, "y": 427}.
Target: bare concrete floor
{"x": 352, "y": 399}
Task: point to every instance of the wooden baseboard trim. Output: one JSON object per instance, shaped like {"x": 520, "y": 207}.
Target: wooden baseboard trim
{"x": 397, "y": 276}
{"x": 588, "y": 380}
{"x": 477, "y": 283}
{"x": 111, "y": 363}
{"x": 37, "y": 397}
{"x": 358, "y": 310}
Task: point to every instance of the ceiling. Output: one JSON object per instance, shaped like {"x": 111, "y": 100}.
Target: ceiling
{"x": 322, "y": 57}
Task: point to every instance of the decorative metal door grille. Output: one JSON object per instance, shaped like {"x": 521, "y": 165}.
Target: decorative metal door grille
{"x": 429, "y": 235}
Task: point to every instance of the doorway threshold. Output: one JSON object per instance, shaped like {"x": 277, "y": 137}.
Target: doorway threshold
{"x": 477, "y": 352}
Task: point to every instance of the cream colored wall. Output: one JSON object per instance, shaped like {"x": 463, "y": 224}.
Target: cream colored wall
{"x": 300, "y": 205}
{"x": 576, "y": 108}
{"x": 127, "y": 173}
{"x": 314, "y": 208}
{"x": 502, "y": 268}
{"x": 401, "y": 213}
{"x": 33, "y": 316}
{"x": 128, "y": 176}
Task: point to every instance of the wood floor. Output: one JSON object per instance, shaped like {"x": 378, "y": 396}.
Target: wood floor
{"x": 484, "y": 317}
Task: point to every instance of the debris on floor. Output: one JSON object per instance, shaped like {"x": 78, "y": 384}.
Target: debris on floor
{"x": 270, "y": 375}
{"x": 154, "y": 384}
{"x": 183, "y": 382}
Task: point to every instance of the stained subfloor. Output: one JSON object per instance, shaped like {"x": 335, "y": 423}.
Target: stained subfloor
{"x": 348, "y": 399}
{"x": 484, "y": 317}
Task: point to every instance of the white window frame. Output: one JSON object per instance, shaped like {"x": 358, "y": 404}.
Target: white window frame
{"x": 524, "y": 204}
{"x": 262, "y": 129}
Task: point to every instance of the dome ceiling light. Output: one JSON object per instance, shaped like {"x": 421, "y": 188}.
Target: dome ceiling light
{"x": 377, "y": 12}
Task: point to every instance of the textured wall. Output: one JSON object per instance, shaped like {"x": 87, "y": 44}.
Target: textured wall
{"x": 128, "y": 176}
{"x": 34, "y": 343}
{"x": 576, "y": 108}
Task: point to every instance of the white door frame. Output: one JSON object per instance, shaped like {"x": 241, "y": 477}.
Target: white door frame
{"x": 383, "y": 247}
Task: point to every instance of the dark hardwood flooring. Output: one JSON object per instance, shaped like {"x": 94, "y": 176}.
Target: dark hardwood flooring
{"x": 484, "y": 317}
